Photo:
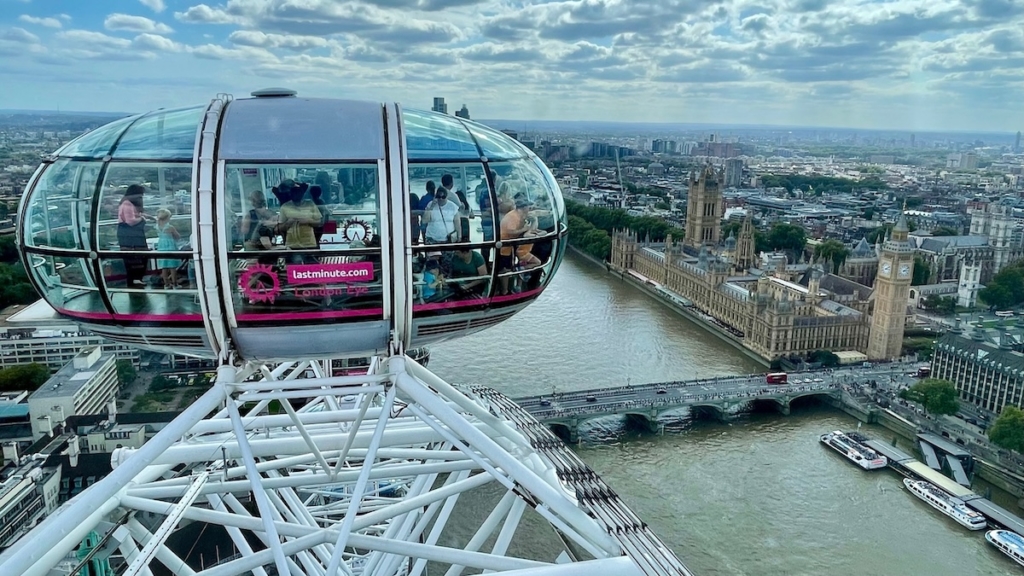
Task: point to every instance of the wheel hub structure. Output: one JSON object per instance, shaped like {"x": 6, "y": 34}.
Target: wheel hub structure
{"x": 391, "y": 472}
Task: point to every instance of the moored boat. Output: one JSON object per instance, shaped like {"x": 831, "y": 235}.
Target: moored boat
{"x": 854, "y": 451}
{"x": 947, "y": 504}
{"x": 1009, "y": 543}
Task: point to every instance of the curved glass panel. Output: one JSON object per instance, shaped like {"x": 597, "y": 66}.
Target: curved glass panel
{"x": 59, "y": 209}
{"x": 527, "y": 224}
{"x": 495, "y": 145}
{"x": 145, "y": 213}
{"x": 555, "y": 190}
{"x": 164, "y": 187}
{"x": 463, "y": 215}
{"x": 432, "y": 136}
{"x": 155, "y": 305}
{"x": 67, "y": 285}
{"x": 305, "y": 240}
{"x": 97, "y": 144}
{"x": 169, "y": 135}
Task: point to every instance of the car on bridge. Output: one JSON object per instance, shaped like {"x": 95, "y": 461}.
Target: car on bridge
{"x": 591, "y": 398}
{"x": 545, "y": 402}
{"x": 662, "y": 391}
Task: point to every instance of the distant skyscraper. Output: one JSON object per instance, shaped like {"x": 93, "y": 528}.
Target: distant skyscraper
{"x": 440, "y": 106}
{"x": 1016, "y": 143}
{"x": 512, "y": 134}
{"x": 733, "y": 172}
{"x": 912, "y": 139}
{"x": 463, "y": 113}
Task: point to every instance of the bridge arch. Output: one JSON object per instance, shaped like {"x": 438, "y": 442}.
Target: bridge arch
{"x": 712, "y": 411}
{"x": 564, "y": 430}
{"x": 641, "y": 420}
{"x": 778, "y": 404}
{"x": 802, "y": 398}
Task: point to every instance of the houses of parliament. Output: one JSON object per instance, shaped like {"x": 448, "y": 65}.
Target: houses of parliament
{"x": 776, "y": 308}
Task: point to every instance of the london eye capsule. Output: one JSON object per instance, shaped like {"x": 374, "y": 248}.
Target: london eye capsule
{"x": 279, "y": 227}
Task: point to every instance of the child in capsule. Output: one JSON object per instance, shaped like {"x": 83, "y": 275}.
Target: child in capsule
{"x": 167, "y": 241}
{"x": 433, "y": 281}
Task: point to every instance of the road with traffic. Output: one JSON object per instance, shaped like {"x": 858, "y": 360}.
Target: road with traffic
{"x": 609, "y": 399}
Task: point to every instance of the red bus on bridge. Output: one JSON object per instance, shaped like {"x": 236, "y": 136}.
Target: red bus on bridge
{"x": 777, "y": 377}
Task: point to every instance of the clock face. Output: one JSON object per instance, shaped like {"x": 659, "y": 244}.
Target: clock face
{"x": 904, "y": 270}
{"x": 886, "y": 268}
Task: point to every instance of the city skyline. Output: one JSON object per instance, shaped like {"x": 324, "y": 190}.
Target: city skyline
{"x": 892, "y": 65}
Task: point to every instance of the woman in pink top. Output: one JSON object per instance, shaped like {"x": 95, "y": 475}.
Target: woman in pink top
{"x": 131, "y": 234}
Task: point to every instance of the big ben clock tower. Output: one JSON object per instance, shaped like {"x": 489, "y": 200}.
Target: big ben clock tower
{"x": 892, "y": 289}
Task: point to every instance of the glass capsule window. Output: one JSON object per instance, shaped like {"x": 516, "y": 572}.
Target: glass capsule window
{"x": 144, "y": 231}
{"x": 450, "y": 203}
{"x": 99, "y": 142}
{"x": 430, "y": 136}
{"x": 58, "y": 214}
{"x": 446, "y": 279}
{"x": 495, "y": 145}
{"x": 305, "y": 240}
{"x": 528, "y": 223}
{"x": 164, "y": 135}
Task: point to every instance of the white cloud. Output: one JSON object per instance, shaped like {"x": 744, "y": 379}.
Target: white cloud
{"x": 48, "y": 22}
{"x": 148, "y": 41}
{"x": 291, "y": 42}
{"x": 157, "y": 6}
{"x": 92, "y": 39}
{"x": 727, "y": 60}
{"x": 250, "y": 53}
{"x": 203, "y": 14}
{"x": 18, "y": 35}
{"x": 135, "y": 24}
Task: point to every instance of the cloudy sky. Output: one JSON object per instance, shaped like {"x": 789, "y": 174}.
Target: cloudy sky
{"x": 907, "y": 64}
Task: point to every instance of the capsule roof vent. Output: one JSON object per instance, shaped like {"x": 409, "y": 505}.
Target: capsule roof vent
{"x": 274, "y": 93}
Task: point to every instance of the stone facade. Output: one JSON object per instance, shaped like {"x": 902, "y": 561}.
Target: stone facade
{"x": 947, "y": 255}
{"x": 1006, "y": 238}
{"x": 704, "y": 209}
{"x": 862, "y": 264}
{"x": 783, "y": 314}
{"x": 891, "y": 292}
{"x": 989, "y": 375}
{"x": 780, "y": 310}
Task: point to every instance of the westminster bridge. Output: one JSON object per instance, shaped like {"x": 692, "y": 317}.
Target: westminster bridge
{"x": 718, "y": 398}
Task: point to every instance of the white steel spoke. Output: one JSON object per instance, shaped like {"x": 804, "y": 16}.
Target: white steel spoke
{"x": 357, "y": 494}
{"x": 261, "y": 496}
{"x": 157, "y": 539}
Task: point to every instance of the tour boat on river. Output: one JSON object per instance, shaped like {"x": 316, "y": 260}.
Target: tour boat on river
{"x": 947, "y": 504}
{"x": 854, "y": 451}
{"x": 1009, "y": 543}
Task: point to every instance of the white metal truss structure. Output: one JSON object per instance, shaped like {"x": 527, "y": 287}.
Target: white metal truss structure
{"x": 353, "y": 475}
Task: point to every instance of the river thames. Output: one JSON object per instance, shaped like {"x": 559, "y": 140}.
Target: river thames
{"x": 759, "y": 496}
